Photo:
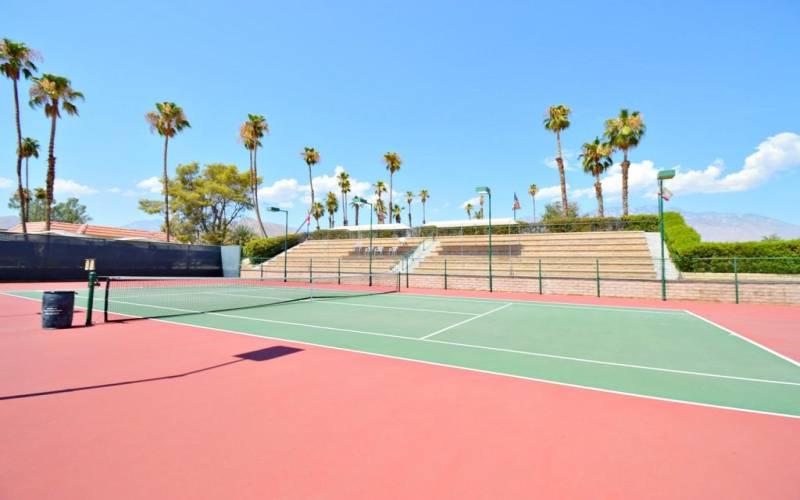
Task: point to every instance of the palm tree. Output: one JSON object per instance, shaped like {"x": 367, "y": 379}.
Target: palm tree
{"x": 380, "y": 188}
{"x": 557, "y": 120}
{"x": 332, "y": 204}
{"x": 625, "y": 132}
{"x": 468, "y": 207}
{"x": 311, "y": 157}
{"x": 54, "y": 93}
{"x": 423, "y": 198}
{"x": 596, "y": 160}
{"x": 250, "y": 134}
{"x": 481, "y": 201}
{"x": 167, "y": 120}
{"x": 17, "y": 61}
{"x": 396, "y": 212}
{"x": 393, "y": 162}
{"x": 343, "y": 179}
{"x": 317, "y": 211}
{"x": 356, "y": 206}
{"x": 409, "y": 199}
{"x": 380, "y": 210}
{"x": 532, "y": 190}
{"x": 30, "y": 148}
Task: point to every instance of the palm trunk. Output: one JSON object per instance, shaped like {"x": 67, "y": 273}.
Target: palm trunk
{"x": 533, "y": 201}
{"x": 254, "y": 185}
{"x": 344, "y": 208}
{"x": 409, "y": 215}
{"x": 311, "y": 187}
{"x": 22, "y": 209}
{"x": 625, "y": 166}
{"x": 27, "y": 193}
{"x": 165, "y": 181}
{"x": 51, "y": 172}
{"x": 391, "y": 177}
{"x": 598, "y": 189}
{"x": 562, "y": 178}
{"x": 357, "y": 207}
{"x": 423, "y": 213}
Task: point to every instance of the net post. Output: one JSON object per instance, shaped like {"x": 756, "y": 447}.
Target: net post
{"x": 445, "y": 274}
{"x": 310, "y": 270}
{"x": 105, "y": 301}
{"x": 406, "y": 271}
{"x": 90, "y": 299}
{"x": 261, "y": 269}
{"x": 540, "y": 276}
{"x": 339, "y": 271}
{"x": 736, "y": 277}
{"x": 597, "y": 274}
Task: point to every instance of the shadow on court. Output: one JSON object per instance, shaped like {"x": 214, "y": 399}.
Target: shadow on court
{"x": 259, "y": 355}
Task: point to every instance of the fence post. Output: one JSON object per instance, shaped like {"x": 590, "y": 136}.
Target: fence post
{"x": 339, "y": 271}
{"x": 261, "y": 269}
{"x": 736, "y": 277}
{"x": 406, "y": 271}
{"x": 445, "y": 274}
{"x": 310, "y": 270}
{"x": 540, "y": 276}
{"x": 597, "y": 274}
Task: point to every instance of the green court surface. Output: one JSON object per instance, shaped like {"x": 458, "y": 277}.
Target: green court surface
{"x": 656, "y": 353}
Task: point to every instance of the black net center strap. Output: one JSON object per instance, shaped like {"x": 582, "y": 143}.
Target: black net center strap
{"x": 148, "y": 297}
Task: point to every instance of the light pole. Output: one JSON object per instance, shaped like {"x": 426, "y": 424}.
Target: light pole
{"x": 285, "y": 237}
{"x": 369, "y": 250}
{"x": 488, "y": 192}
{"x": 662, "y": 176}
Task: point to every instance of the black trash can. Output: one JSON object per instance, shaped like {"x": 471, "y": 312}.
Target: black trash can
{"x": 57, "y": 309}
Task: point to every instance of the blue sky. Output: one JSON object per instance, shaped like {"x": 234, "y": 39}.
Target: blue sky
{"x": 459, "y": 89}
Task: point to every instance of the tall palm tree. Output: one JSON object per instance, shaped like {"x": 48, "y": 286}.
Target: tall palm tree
{"x": 532, "y": 190}
{"x": 468, "y": 207}
{"x": 250, "y": 134}
{"x": 481, "y": 201}
{"x": 17, "y": 61}
{"x": 55, "y": 94}
{"x": 396, "y": 212}
{"x": 423, "y": 198}
{"x": 332, "y": 204}
{"x": 317, "y": 211}
{"x": 409, "y": 199}
{"x": 625, "y": 132}
{"x": 343, "y": 179}
{"x": 30, "y": 148}
{"x": 393, "y": 162}
{"x": 556, "y": 121}
{"x": 380, "y": 188}
{"x": 596, "y": 160}
{"x": 311, "y": 157}
{"x": 167, "y": 120}
{"x": 356, "y": 206}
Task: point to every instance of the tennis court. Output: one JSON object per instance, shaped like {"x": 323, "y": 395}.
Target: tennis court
{"x": 667, "y": 354}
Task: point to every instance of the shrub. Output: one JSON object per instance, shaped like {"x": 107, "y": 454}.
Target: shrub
{"x": 261, "y": 249}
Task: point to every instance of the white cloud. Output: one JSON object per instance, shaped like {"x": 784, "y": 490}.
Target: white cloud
{"x": 282, "y": 193}
{"x": 641, "y": 178}
{"x": 5, "y": 183}
{"x": 70, "y": 187}
{"x": 286, "y": 192}
{"x": 550, "y": 193}
{"x": 152, "y": 184}
{"x": 568, "y": 156}
{"x": 475, "y": 202}
{"x": 114, "y": 190}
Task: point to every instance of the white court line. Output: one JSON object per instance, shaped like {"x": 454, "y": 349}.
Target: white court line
{"x": 466, "y": 368}
{"x": 437, "y": 332}
{"x": 749, "y": 341}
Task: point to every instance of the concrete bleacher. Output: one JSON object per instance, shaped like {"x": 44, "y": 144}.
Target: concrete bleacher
{"x": 341, "y": 255}
{"x": 569, "y": 255}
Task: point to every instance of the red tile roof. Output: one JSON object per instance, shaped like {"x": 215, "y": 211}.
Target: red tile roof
{"x": 93, "y": 230}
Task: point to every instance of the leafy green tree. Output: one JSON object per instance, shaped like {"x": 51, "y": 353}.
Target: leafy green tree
{"x": 250, "y": 134}
{"x": 205, "y": 203}
{"x": 332, "y": 204}
{"x": 393, "y": 163}
{"x": 625, "y": 132}
{"x": 423, "y": 198}
{"x": 772, "y": 237}
{"x": 343, "y": 179}
{"x": 311, "y": 157}
{"x": 596, "y": 158}
{"x": 554, "y": 213}
{"x": 241, "y": 235}
{"x": 17, "y": 61}
{"x": 55, "y": 94}
{"x": 167, "y": 120}
{"x": 557, "y": 120}
{"x": 409, "y": 200}
{"x": 532, "y": 190}
{"x": 30, "y": 148}
{"x": 69, "y": 211}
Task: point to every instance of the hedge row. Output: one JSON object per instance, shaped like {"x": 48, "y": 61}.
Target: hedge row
{"x": 692, "y": 255}
{"x": 261, "y": 249}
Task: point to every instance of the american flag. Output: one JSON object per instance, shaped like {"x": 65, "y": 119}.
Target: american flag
{"x": 516, "y": 203}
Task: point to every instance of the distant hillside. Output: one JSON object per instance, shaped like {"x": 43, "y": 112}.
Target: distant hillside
{"x": 155, "y": 225}
{"x": 8, "y": 221}
{"x": 739, "y": 227}
{"x": 146, "y": 224}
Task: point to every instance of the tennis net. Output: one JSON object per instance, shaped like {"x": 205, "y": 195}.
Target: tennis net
{"x": 127, "y": 297}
